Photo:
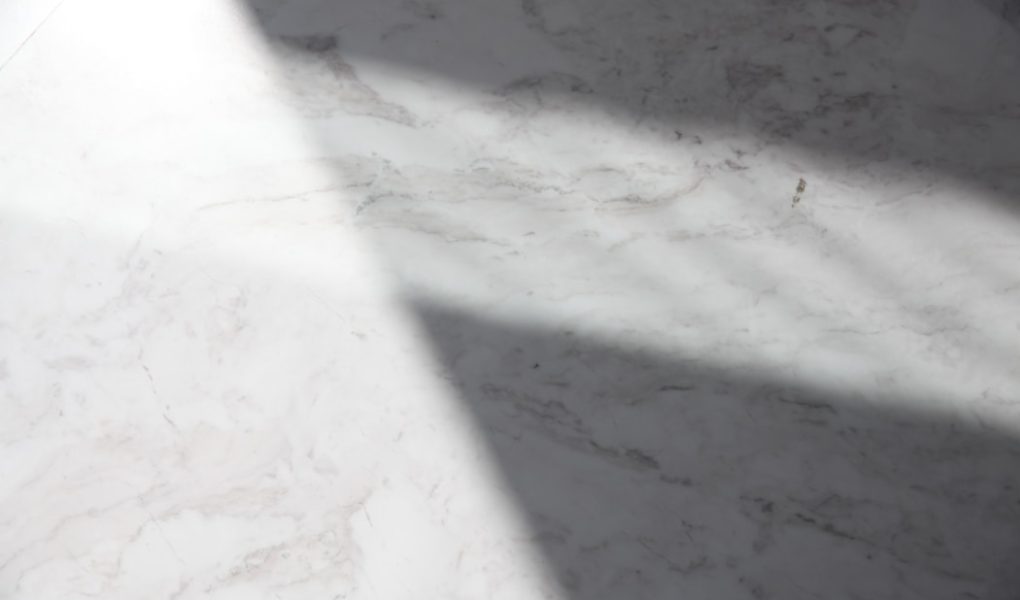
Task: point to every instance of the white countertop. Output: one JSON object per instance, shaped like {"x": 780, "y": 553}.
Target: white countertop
{"x": 513, "y": 300}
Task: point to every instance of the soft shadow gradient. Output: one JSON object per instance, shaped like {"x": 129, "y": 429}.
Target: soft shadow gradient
{"x": 867, "y": 83}
{"x": 653, "y": 476}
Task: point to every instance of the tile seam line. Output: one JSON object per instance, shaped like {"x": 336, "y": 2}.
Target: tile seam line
{"x": 29, "y": 37}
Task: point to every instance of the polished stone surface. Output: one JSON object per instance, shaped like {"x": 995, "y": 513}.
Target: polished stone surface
{"x": 572, "y": 299}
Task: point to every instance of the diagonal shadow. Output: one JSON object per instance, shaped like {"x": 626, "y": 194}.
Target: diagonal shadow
{"x": 646, "y": 475}
{"x": 652, "y": 476}
{"x": 776, "y": 73}
{"x": 930, "y": 87}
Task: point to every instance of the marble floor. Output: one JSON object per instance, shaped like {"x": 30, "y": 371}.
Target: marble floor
{"x": 509, "y": 299}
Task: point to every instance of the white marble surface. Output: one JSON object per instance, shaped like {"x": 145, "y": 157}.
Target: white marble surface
{"x": 512, "y": 300}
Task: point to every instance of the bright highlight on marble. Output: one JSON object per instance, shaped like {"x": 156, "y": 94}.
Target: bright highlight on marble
{"x": 571, "y": 299}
